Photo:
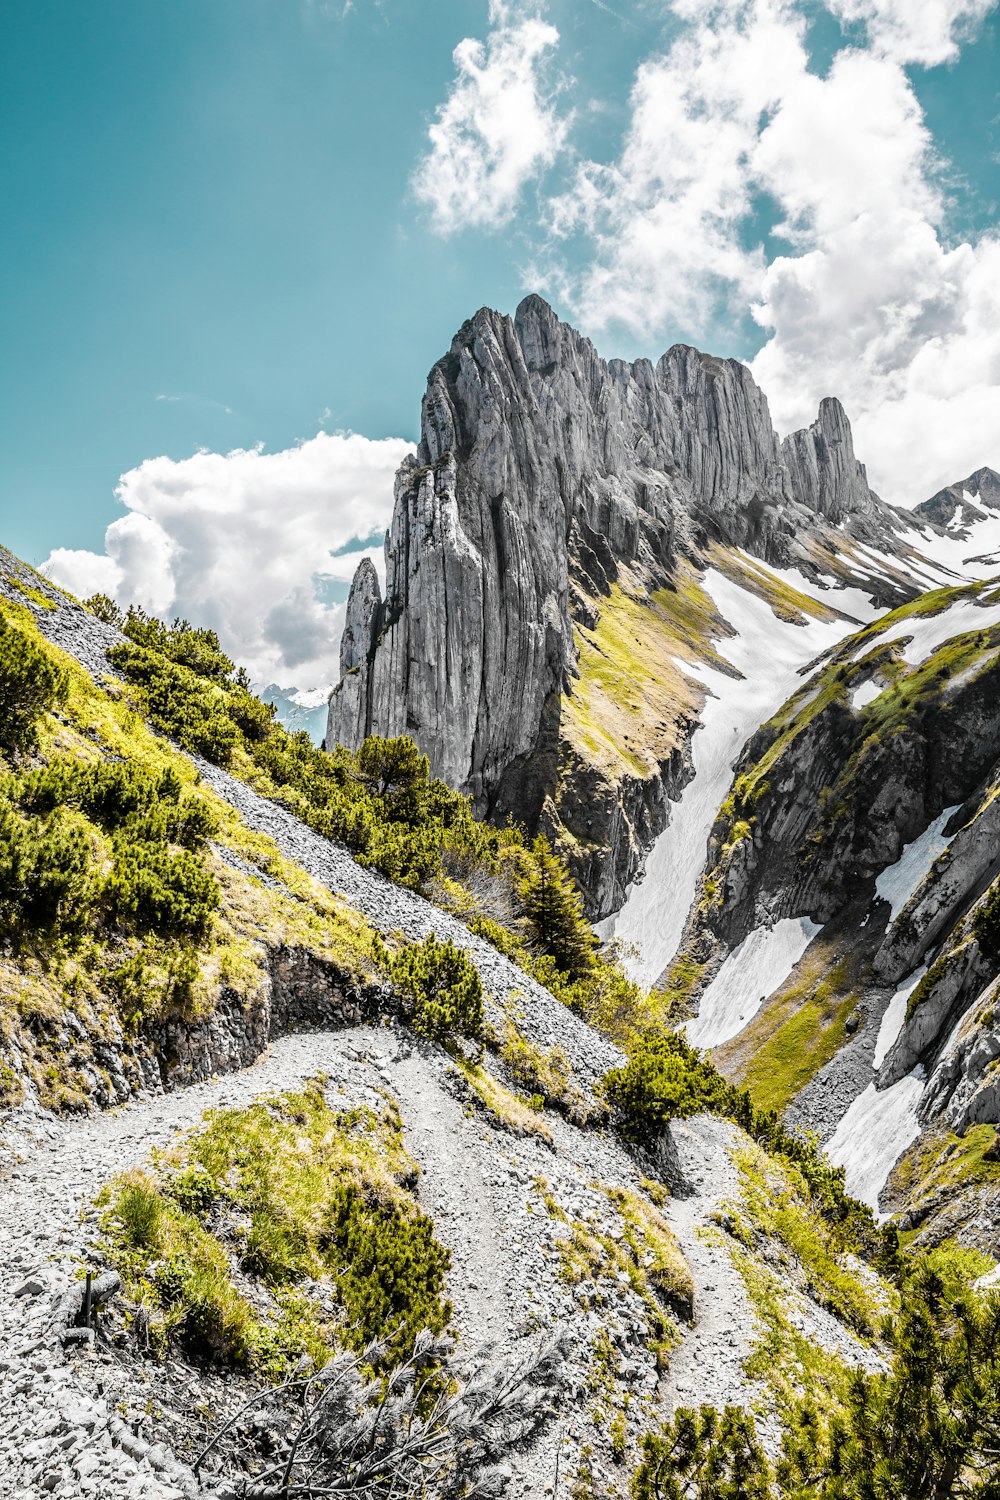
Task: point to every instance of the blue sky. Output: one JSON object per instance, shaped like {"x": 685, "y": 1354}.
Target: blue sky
{"x": 241, "y": 222}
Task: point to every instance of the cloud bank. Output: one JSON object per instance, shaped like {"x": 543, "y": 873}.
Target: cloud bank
{"x": 244, "y": 542}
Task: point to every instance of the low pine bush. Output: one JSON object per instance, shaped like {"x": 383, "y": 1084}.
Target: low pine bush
{"x": 441, "y": 989}
{"x": 31, "y": 685}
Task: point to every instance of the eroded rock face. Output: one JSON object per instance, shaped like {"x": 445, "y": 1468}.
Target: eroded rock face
{"x": 542, "y": 472}
{"x": 822, "y": 468}
{"x": 350, "y": 699}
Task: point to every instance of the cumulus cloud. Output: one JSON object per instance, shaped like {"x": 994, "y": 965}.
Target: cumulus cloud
{"x": 244, "y": 542}
{"x": 498, "y": 128}
{"x": 665, "y": 220}
{"x": 915, "y": 31}
{"x": 870, "y": 300}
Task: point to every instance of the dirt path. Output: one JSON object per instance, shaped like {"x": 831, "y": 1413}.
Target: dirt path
{"x": 708, "y": 1366}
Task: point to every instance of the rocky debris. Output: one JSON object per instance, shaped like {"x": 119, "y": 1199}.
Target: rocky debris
{"x": 502, "y": 1206}
{"x": 708, "y": 1366}
{"x": 542, "y": 472}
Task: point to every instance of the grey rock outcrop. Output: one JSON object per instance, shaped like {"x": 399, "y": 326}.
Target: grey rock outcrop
{"x": 542, "y": 472}
{"x": 349, "y": 701}
{"x": 822, "y": 468}
{"x": 973, "y": 497}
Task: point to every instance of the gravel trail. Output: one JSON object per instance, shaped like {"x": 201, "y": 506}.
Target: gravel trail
{"x": 708, "y": 1366}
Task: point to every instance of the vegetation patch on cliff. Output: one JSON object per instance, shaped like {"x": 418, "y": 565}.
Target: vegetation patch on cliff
{"x": 804, "y": 1023}
{"x": 631, "y": 703}
{"x": 129, "y": 895}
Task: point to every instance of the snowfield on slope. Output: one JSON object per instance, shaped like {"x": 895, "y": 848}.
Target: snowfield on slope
{"x": 754, "y": 970}
{"x": 925, "y": 634}
{"x": 769, "y": 653}
{"x": 968, "y": 554}
{"x": 873, "y": 1135}
{"x": 897, "y": 883}
{"x": 865, "y": 694}
{"x": 893, "y": 1017}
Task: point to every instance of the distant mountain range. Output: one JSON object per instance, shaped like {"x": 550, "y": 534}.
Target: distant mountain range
{"x": 298, "y": 709}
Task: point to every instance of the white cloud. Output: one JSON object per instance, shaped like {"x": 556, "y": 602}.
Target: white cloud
{"x": 498, "y": 128}
{"x": 871, "y": 301}
{"x": 915, "y": 31}
{"x": 876, "y": 306}
{"x": 242, "y": 542}
{"x": 666, "y": 218}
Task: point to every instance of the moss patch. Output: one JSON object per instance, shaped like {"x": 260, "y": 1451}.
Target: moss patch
{"x": 787, "y": 1256}
{"x": 631, "y": 704}
{"x": 521, "y": 1116}
{"x": 804, "y": 1024}
{"x": 939, "y": 1179}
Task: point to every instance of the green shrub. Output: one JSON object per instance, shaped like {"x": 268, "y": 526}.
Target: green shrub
{"x": 390, "y": 1274}
{"x": 31, "y": 685}
{"x": 285, "y": 1193}
{"x": 47, "y": 880}
{"x": 150, "y": 805}
{"x": 155, "y": 889}
{"x": 441, "y": 988}
{"x": 704, "y": 1454}
{"x": 986, "y": 923}
{"x": 927, "y": 1428}
{"x": 665, "y": 1078}
{"x": 103, "y": 607}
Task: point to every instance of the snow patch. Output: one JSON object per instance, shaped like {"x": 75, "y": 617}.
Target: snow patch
{"x": 873, "y": 1135}
{"x": 754, "y": 970}
{"x": 865, "y": 694}
{"x": 897, "y": 884}
{"x": 969, "y": 551}
{"x": 893, "y": 1017}
{"x": 312, "y": 697}
{"x": 928, "y": 633}
{"x": 854, "y": 602}
{"x": 769, "y": 653}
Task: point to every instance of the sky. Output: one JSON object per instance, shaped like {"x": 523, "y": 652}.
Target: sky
{"x": 237, "y": 234}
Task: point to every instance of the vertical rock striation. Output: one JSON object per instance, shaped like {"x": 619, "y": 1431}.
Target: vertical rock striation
{"x": 822, "y": 469}
{"x": 542, "y": 474}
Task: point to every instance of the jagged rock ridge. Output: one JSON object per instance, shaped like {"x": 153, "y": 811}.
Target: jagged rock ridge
{"x": 543, "y": 474}
{"x": 972, "y": 498}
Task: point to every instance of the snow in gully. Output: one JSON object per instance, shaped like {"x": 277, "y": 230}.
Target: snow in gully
{"x": 769, "y": 653}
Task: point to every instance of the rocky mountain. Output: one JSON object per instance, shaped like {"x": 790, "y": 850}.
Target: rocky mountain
{"x": 964, "y": 503}
{"x": 561, "y": 509}
{"x": 297, "y": 709}
{"x": 841, "y": 951}
{"x": 754, "y": 706}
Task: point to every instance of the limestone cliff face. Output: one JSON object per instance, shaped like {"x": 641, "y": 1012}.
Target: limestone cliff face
{"x": 823, "y": 470}
{"x": 544, "y": 471}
